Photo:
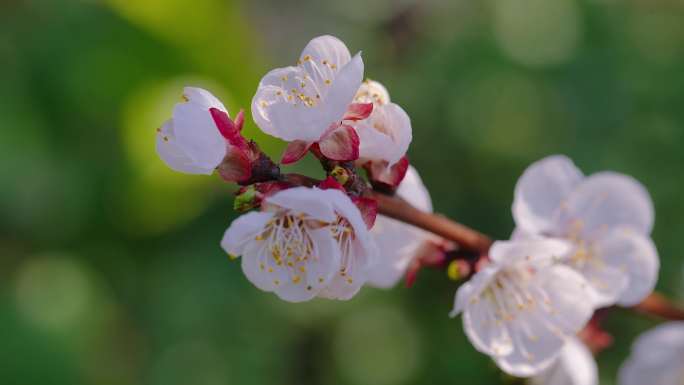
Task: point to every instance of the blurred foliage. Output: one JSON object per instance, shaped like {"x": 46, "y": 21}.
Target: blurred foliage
{"x": 111, "y": 272}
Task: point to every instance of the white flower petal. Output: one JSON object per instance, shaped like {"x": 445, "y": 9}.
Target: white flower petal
{"x": 324, "y": 57}
{"x": 532, "y": 250}
{"x": 196, "y": 131}
{"x": 520, "y": 234}
{"x": 636, "y": 255}
{"x": 365, "y": 249}
{"x": 605, "y": 200}
{"x": 526, "y": 364}
{"x": 202, "y": 98}
{"x": 318, "y": 273}
{"x": 279, "y": 106}
{"x": 473, "y": 288}
{"x": 252, "y": 266}
{"x": 540, "y": 192}
{"x": 606, "y": 282}
{"x": 414, "y": 191}
{"x": 656, "y": 358}
{"x": 487, "y": 334}
{"x": 539, "y": 331}
{"x": 566, "y": 302}
{"x": 622, "y": 266}
{"x": 574, "y": 366}
{"x": 385, "y": 134}
{"x": 398, "y": 244}
{"x": 327, "y": 47}
{"x": 321, "y": 272}
{"x": 341, "y": 289}
{"x": 358, "y": 250}
{"x": 174, "y": 157}
{"x": 343, "y": 88}
{"x": 312, "y": 201}
{"x": 243, "y": 230}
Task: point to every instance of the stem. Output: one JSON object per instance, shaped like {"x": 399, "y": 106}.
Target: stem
{"x": 657, "y": 305}
{"x": 462, "y": 235}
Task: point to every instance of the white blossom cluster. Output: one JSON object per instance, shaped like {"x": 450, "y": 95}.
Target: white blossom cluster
{"x": 308, "y": 242}
{"x": 580, "y": 243}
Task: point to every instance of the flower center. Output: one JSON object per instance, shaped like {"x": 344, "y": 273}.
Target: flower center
{"x": 288, "y": 251}
{"x": 510, "y": 294}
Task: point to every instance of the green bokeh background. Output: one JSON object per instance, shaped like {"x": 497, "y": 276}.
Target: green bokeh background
{"x": 110, "y": 268}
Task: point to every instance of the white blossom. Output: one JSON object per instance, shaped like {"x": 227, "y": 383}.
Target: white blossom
{"x": 305, "y": 242}
{"x": 191, "y": 142}
{"x": 574, "y": 366}
{"x": 522, "y": 307}
{"x": 657, "y": 357}
{"x": 301, "y": 102}
{"x": 607, "y": 216}
{"x": 400, "y": 243}
{"x": 386, "y": 134}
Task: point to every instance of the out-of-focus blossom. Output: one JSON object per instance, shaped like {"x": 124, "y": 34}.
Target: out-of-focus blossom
{"x": 399, "y": 243}
{"x": 657, "y": 357}
{"x": 522, "y": 307}
{"x": 306, "y": 103}
{"x": 574, "y": 366}
{"x": 305, "y": 242}
{"x": 201, "y": 137}
{"x": 607, "y": 216}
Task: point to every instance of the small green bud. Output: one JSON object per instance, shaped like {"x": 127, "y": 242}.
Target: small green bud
{"x": 246, "y": 200}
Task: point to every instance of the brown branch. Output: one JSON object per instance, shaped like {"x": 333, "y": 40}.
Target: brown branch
{"x": 657, "y": 305}
{"x": 462, "y": 235}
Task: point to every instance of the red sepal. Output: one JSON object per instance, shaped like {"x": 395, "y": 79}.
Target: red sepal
{"x": 368, "y": 208}
{"x": 381, "y": 175}
{"x": 294, "y": 151}
{"x": 266, "y": 189}
{"x": 358, "y": 111}
{"x": 330, "y": 183}
{"x": 340, "y": 143}
{"x": 228, "y": 129}
{"x": 429, "y": 254}
{"x": 241, "y": 155}
{"x": 236, "y": 166}
{"x": 594, "y": 336}
{"x": 239, "y": 120}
